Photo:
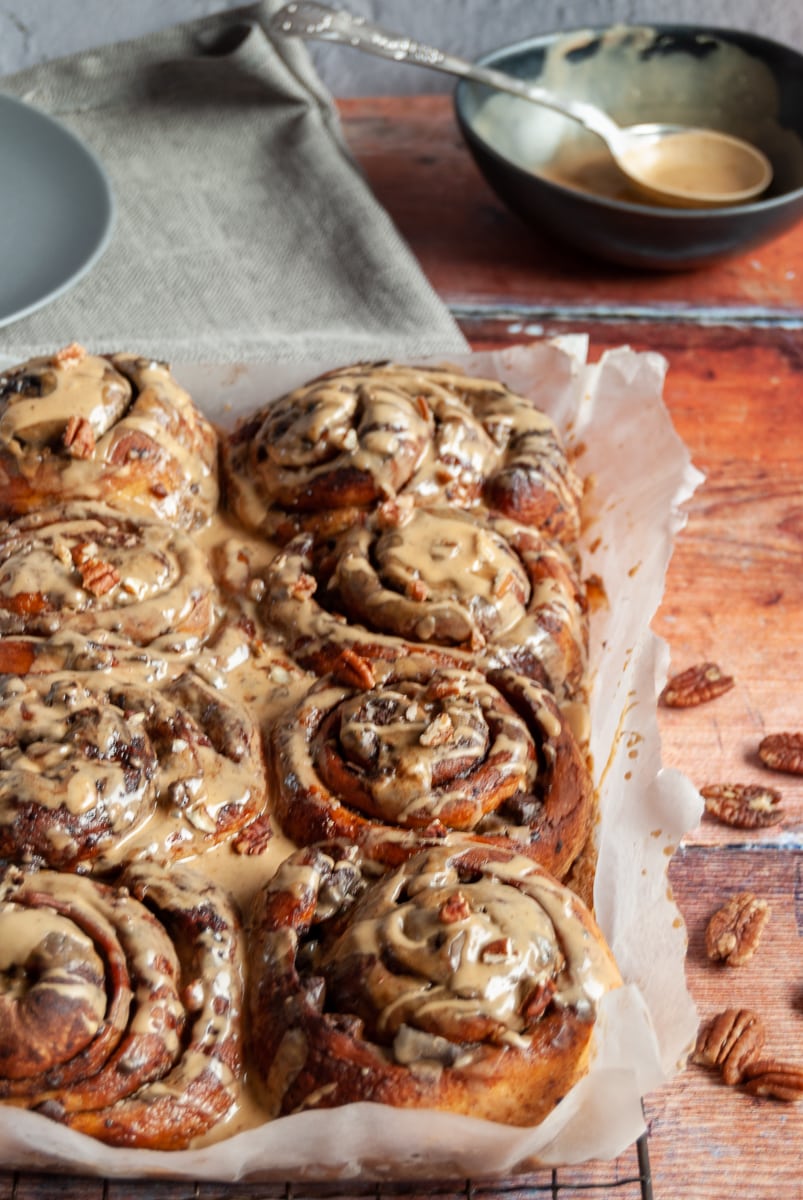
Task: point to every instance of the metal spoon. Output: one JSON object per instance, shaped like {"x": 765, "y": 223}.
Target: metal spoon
{"x": 673, "y": 165}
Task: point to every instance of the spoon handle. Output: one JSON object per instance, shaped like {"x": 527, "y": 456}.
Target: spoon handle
{"x": 311, "y": 21}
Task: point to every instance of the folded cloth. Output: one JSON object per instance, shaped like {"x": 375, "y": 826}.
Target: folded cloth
{"x": 244, "y": 230}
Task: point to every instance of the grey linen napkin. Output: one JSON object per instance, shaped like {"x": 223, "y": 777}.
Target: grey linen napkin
{"x": 244, "y": 230}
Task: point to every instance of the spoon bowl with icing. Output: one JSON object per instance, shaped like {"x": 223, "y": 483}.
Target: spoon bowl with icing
{"x": 669, "y": 164}
{"x": 563, "y": 182}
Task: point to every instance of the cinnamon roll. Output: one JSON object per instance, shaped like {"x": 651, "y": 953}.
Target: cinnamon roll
{"x": 327, "y": 453}
{"x": 324, "y": 454}
{"x": 468, "y": 980}
{"x": 469, "y": 587}
{"x": 121, "y": 1007}
{"x": 426, "y": 751}
{"x": 115, "y": 427}
{"x": 87, "y": 568}
{"x": 97, "y": 766}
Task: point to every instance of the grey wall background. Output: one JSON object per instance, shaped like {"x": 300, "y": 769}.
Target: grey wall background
{"x": 33, "y": 31}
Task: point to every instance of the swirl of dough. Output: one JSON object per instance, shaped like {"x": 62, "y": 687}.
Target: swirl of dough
{"x": 93, "y": 767}
{"x": 426, "y": 751}
{"x": 120, "y": 1006}
{"x": 467, "y": 587}
{"x": 117, "y": 428}
{"x": 468, "y": 979}
{"x": 324, "y": 453}
{"x": 90, "y": 568}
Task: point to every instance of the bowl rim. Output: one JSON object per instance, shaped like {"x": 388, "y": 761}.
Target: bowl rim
{"x": 657, "y": 212}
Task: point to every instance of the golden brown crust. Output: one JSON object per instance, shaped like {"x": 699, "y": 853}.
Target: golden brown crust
{"x": 147, "y": 1070}
{"x": 116, "y": 428}
{"x": 382, "y": 991}
{"x": 428, "y": 750}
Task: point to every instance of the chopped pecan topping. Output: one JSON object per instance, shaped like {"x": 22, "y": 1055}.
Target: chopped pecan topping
{"x": 730, "y": 1041}
{"x": 69, "y": 356}
{"x": 497, "y": 951}
{"x": 502, "y": 586}
{"x": 734, "y": 931}
{"x": 97, "y": 576}
{"x": 696, "y": 685}
{"x": 438, "y": 732}
{"x": 779, "y": 1080}
{"x": 392, "y": 513}
{"x": 304, "y": 586}
{"x": 782, "y": 752}
{"x": 745, "y": 806}
{"x": 454, "y": 909}
{"x": 79, "y": 438}
{"x": 254, "y": 838}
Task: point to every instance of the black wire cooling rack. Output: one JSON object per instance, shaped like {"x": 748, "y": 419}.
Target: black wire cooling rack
{"x": 624, "y": 1183}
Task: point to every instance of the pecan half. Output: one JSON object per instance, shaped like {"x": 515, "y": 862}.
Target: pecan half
{"x": 734, "y": 931}
{"x": 743, "y": 805}
{"x": 695, "y": 685}
{"x": 97, "y": 576}
{"x": 730, "y": 1041}
{"x": 782, "y": 752}
{"x": 254, "y": 838}
{"x": 779, "y": 1080}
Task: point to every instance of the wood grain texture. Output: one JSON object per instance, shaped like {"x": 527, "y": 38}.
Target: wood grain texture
{"x": 480, "y": 256}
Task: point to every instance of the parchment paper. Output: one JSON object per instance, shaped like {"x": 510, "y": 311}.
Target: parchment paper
{"x": 639, "y": 474}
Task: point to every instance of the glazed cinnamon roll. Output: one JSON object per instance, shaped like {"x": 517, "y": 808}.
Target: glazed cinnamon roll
{"x": 469, "y": 587}
{"x": 87, "y": 568}
{"x": 121, "y": 1007}
{"x": 467, "y": 980}
{"x": 327, "y": 453}
{"x": 324, "y": 454}
{"x": 94, "y": 767}
{"x": 426, "y": 751}
{"x": 116, "y": 428}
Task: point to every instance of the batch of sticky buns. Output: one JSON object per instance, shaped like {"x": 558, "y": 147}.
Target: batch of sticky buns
{"x": 295, "y": 800}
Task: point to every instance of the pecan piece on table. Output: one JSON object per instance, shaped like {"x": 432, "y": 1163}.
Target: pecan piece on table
{"x": 778, "y": 1080}
{"x": 731, "y": 1040}
{"x": 744, "y": 805}
{"x": 695, "y": 685}
{"x": 734, "y": 931}
{"x": 782, "y": 752}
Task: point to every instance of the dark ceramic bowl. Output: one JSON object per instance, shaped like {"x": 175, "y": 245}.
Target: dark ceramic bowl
{"x": 558, "y": 178}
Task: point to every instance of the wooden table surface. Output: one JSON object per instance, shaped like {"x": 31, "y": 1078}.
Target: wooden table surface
{"x": 733, "y": 338}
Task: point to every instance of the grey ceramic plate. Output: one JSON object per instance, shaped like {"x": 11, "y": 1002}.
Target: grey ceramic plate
{"x": 56, "y": 209}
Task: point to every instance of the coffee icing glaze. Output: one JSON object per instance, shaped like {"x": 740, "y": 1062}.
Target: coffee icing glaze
{"x": 117, "y": 428}
{"x": 112, "y": 705}
{"x": 87, "y": 761}
{"x": 427, "y": 750}
{"x": 467, "y": 979}
{"x": 161, "y": 1063}
{"x": 364, "y": 434}
{"x": 90, "y": 567}
{"x": 471, "y": 588}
